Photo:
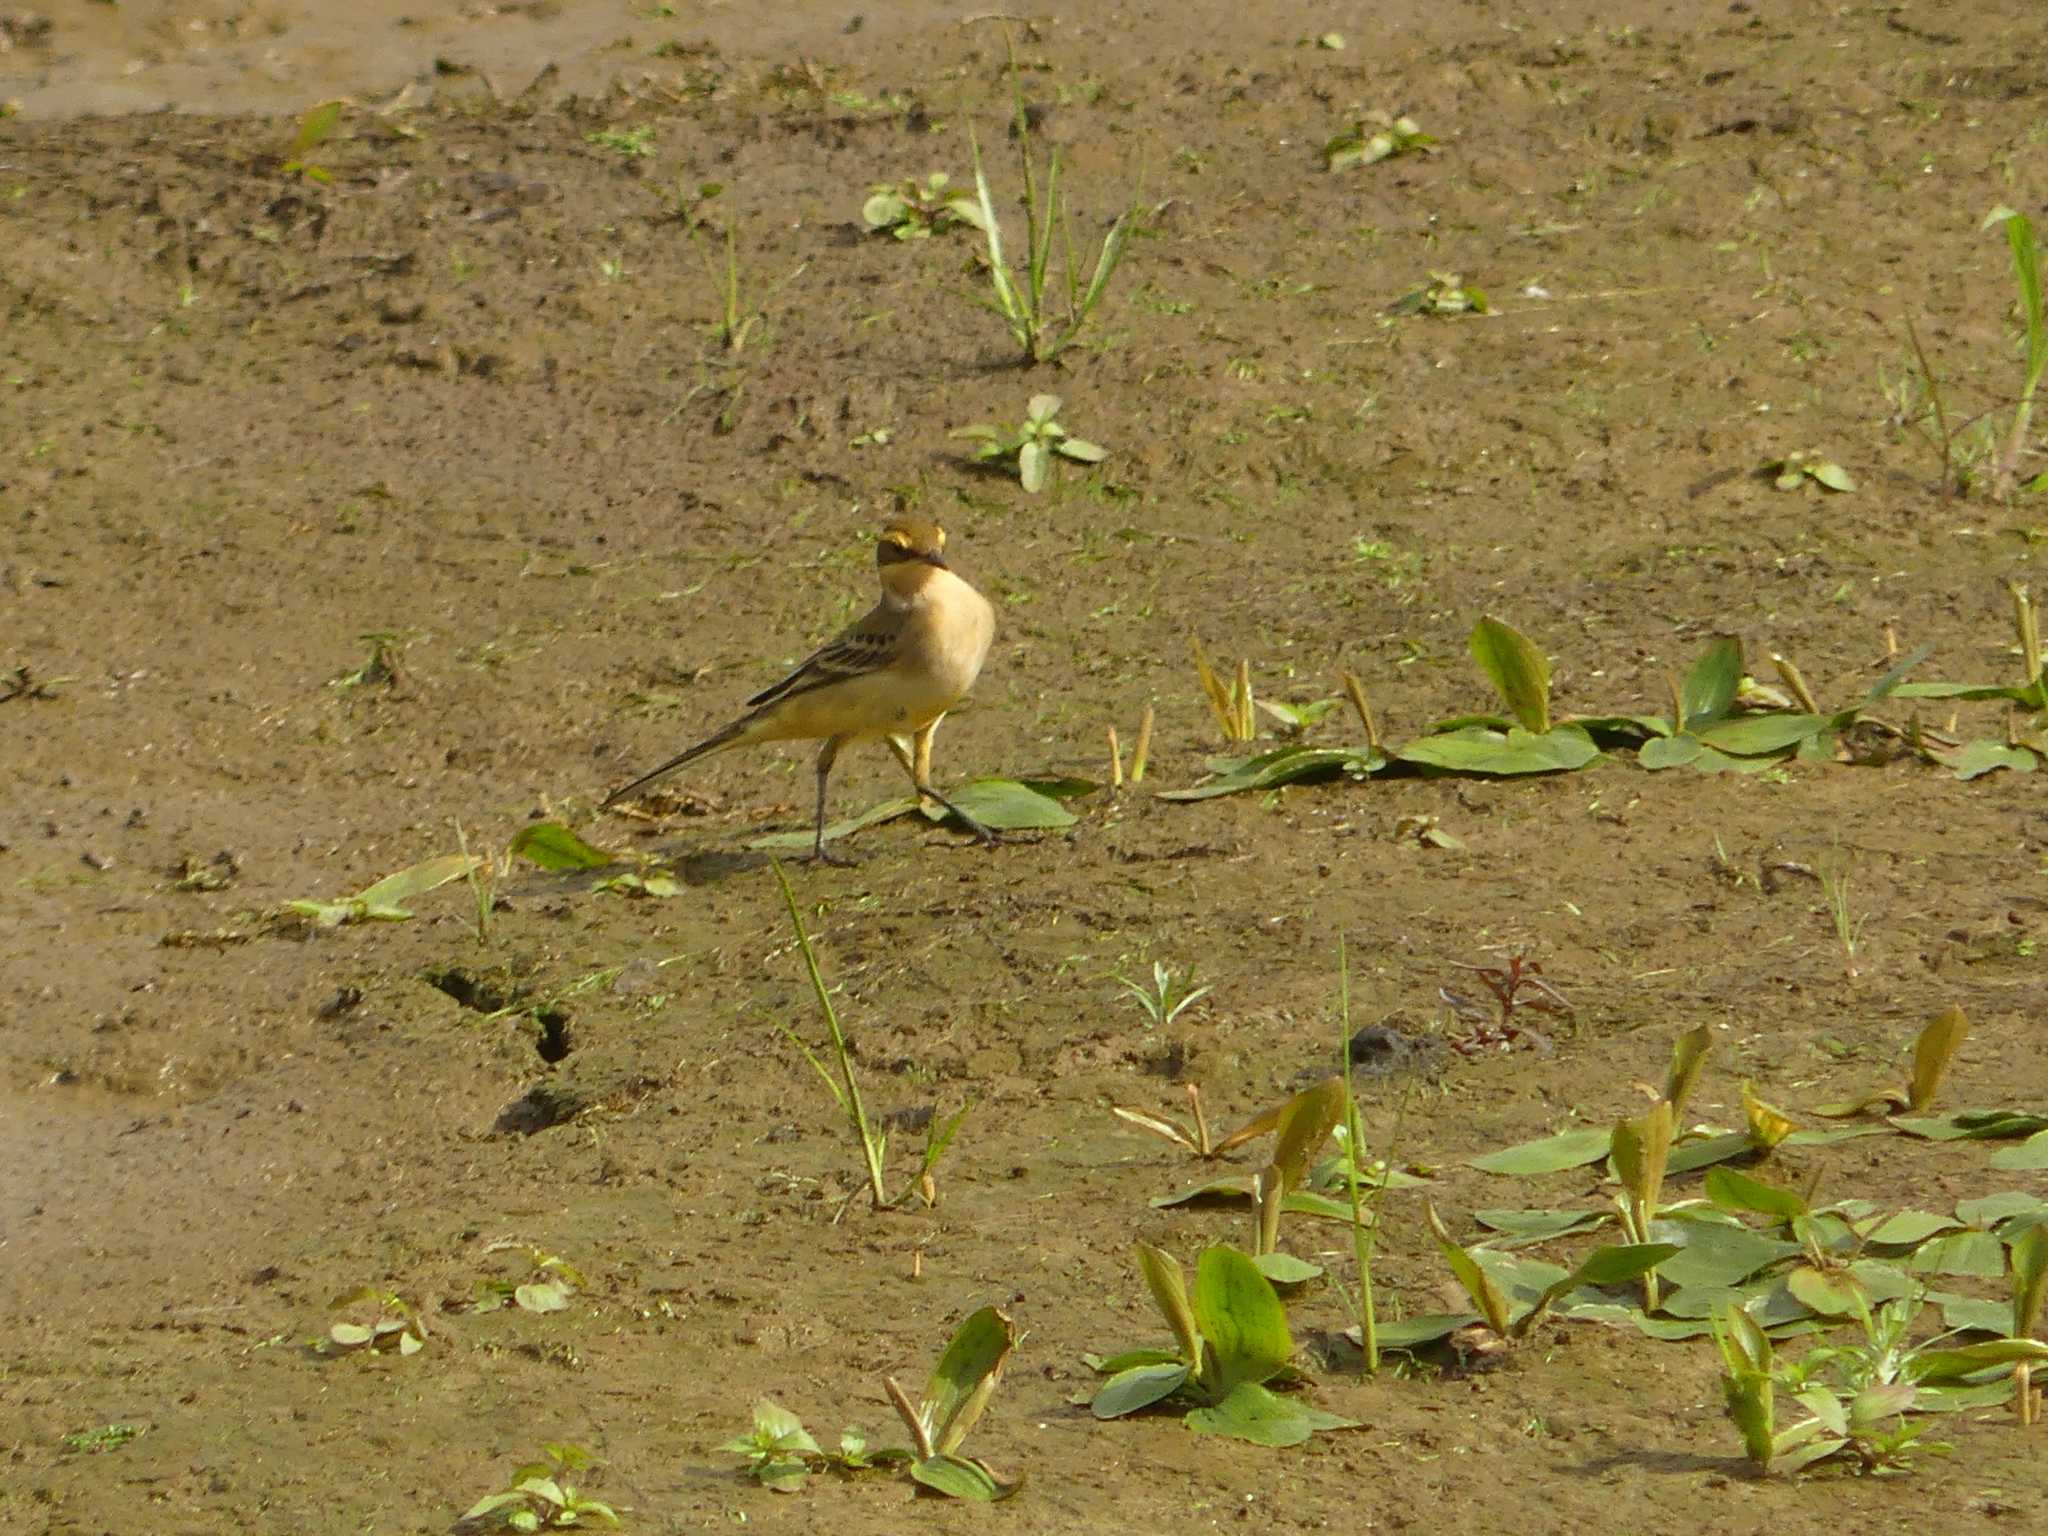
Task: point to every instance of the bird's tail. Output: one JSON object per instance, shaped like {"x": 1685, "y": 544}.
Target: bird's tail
{"x": 729, "y": 736}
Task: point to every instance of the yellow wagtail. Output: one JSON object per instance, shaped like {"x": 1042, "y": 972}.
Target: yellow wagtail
{"x": 893, "y": 675}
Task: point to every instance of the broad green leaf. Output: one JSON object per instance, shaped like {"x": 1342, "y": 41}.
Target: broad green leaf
{"x": 1948, "y": 1364}
{"x": 1973, "y": 1125}
{"x": 1733, "y": 1191}
{"x": 1549, "y": 1154}
{"x": 495, "y": 1501}
{"x": 1669, "y": 752}
{"x": 1240, "y": 1318}
{"x": 1284, "y": 765}
{"x": 1971, "y": 1315}
{"x": 1640, "y": 1150}
{"x": 1907, "y": 1228}
{"x": 1713, "y": 1254}
{"x": 1704, "y": 1151}
{"x": 1767, "y": 1125}
{"x": 1502, "y": 753}
{"x": 1249, "y": 1412}
{"x": 1007, "y": 806}
{"x": 1138, "y": 1387}
{"x": 1932, "y": 1052}
{"x": 2031, "y": 1153}
{"x": 1960, "y": 1253}
{"x": 1286, "y": 1269}
{"x": 1616, "y": 1264}
{"x": 1412, "y": 1333}
{"x": 1080, "y": 448}
{"x": 2029, "y": 1278}
{"x": 315, "y": 128}
{"x": 961, "y": 1477}
{"x": 1830, "y": 1292}
{"x": 1477, "y": 1283}
{"x": 1990, "y": 1210}
{"x": 1170, "y": 1293}
{"x": 1305, "y": 1124}
{"x": 1688, "y": 1056}
{"x": 541, "y": 1296}
{"x": 1124, "y": 1360}
{"x": 553, "y": 846}
{"x": 1710, "y": 686}
{"x": 1974, "y": 759}
{"x": 1032, "y": 459}
{"x": 1518, "y": 671}
{"x": 965, "y": 1376}
{"x": 1756, "y": 735}
{"x": 1830, "y": 474}
{"x": 780, "y": 1426}
{"x": 351, "y": 1335}
{"x": 1541, "y": 1226}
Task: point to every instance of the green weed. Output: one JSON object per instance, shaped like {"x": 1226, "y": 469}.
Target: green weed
{"x": 1032, "y": 443}
{"x": 540, "y": 1497}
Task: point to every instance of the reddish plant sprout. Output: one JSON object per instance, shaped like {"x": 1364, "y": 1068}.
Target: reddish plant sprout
{"x": 1518, "y": 987}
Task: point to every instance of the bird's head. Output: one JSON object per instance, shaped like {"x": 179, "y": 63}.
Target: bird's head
{"x": 911, "y": 540}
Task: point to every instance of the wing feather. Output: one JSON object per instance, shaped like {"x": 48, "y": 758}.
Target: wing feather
{"x": 869, "y": 645}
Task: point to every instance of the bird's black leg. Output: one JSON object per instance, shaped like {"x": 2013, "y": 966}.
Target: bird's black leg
{"x": 826, "y": 754}
{"x": 916, "y": 760}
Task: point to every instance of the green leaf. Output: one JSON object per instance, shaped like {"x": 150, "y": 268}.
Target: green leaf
{"x": 1518, "y": 670}
{"x": 1477, "y": 1283}
{"x": 1286, "y": 1269}
{"x": 1032, "y": 460}
{"x": 1960, "y": 1253}
{"x": 1306, "y": 1121}
{"x": 1669, "y": 752}
{"x": 1733, "y": 1191}
{"x": 315, "y": 128}
{"x": 351, "y": 1335}
{"x": 1711, "y": 685}
{"x": 874, "y": 815}
{"x": 1476, "y": 749}
{"x": 1007, "y": 806}
{"x": 1549, "y": 1154}
{"x": 495, "y": 1501}
{"x": 1908, "y": 1228}
{"x": 1974, "y": 759}
{"x": 1717, "y": 1255}
{"x": 1757, "y": 735}
{"x": 1284, "y": 765}
{"x": 1949, "y": 1364}
{"x": 2031, "y": 1153}
{"x": 1829, "y": 474}
{"x": 2029, "y": 1278}
{"x": 1412, "y": 1333}
{"x": 1972, "y": 1125}
{"x": 1170, "y": 1294}
{"x": 542, "y": 1296}
{"x": 781, "y": 1427}
{"x": 965, "y": 1376}
{"x": 553, "y": 846}
{"x": 1081, "y": 449}
{"x": 1240, "y": 1317}
{"x": 1138, "y": 1387}
{"x": 961, "y": 1477}
{"x": 1251, "y": 1412}
{"x": 1616, "y": 1264}
{"x": 1541, "y": 1226}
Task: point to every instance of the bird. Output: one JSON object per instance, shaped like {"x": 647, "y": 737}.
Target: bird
{"x": 891, "y": 675}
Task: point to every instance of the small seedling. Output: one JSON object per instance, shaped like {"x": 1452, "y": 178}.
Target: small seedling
{"x": 2026, "y": 267}
{"x": 540, "y": 1497}
{"x": 954, "y": 1399}
{"x": 845, "y": 1088}
{"x": 1027, "y": 305}
{"x": 1230, "y": 1339}
{"x": 738, "y": 313}
{"x": 1795, "y": 469}
{"x": 21, "y": 683}
{"x": 1614, "y": 1264}
{"x": 1377, "y": 137}
{"x": 1517, "y": 987}
{"x": 394, "y": 1325}
{"x": 384, "y": 901}
{"x": 1141, "y": 753}
{"x": 1446, "y": 293}
{"x": 1933, "y": 1050}
{"x": 1032, "y": 443}
{"x": 315, "y": 128}
{"x": 547, "y": 1288}
{"x": 917, "y": 210}
{"x": 1233, "y": 707}
{"x": 553, "y": 847}
{"x": 628, "y": 143}
{"x": 381, "y": 666}
{"x": 108, "y": 1437}
{"x": 1834, "y": 889}
{"x": 1169, "y": 996}
{"x": 781, "y": 1455}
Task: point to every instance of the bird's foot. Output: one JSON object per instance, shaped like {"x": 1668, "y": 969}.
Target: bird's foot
{"x": 820, "y": 854}
{"x": 983, "y": 834}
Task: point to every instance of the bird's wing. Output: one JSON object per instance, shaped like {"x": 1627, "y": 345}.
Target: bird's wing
{"x": 867, "y": 646}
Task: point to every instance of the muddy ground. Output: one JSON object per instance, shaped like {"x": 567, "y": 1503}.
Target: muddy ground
{"x": 463, "y": 394}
